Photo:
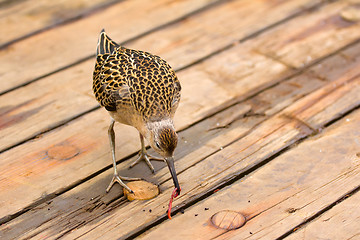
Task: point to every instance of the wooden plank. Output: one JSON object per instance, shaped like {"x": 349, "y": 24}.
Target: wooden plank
{"x": 70, "y": 97}
{"x": 283, "y": 193}
{"x": 345, "y": 61}
{"x": 39, "y": 64}
{"x": 52, "y": 50}
{"x": 19, "y": 19}
{"x": 58, "y": 226}
{"x": 318, "y": 34}
{"x": 195, "y": 143}
{"x": 104, "y": 127}
{"x": 191, "y": 110}
{"x": 264, "y": 141}
{"x": 325, "y": 103}
{"x": 90, "y": 168}
{"x": 340, "y": 222}
{"x": 62, "y": 111}
{"x": 79, "y": 197}
{"x": 210, "y": 31}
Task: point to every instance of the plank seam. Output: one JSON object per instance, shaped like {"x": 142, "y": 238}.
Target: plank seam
{"x": 81, "y": 15}
{"x": 318, "y": 214}
{"x": 140, "y": 35}
{"x": 234, "y": 178}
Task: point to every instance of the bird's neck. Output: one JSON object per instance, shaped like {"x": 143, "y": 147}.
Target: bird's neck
{"x": 163, "y": 123}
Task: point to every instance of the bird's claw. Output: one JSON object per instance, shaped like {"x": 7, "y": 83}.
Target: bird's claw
{"x": 118, "y": 179}
{"x": 146, "y": 157}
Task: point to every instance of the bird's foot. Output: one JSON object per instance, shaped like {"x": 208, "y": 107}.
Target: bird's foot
{"x": 118, "y": 179}
{"x": 146, "y": 157}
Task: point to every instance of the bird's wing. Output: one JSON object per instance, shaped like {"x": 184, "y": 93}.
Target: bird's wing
{"x": 110, "y": 86}
{"x": 177, "y": 95}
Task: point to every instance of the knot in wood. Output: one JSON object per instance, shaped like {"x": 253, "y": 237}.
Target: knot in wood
{"x": 228, "y": 219}
{"x": 62, "y": 152}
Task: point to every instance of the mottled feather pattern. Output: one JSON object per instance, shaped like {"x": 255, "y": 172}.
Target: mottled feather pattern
{"x": 168, "y": 140}
{"x": 136, "y": 78}
{"x": 141, "y": 90}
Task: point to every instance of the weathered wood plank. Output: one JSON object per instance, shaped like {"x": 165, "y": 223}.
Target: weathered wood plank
{"x": 194, "y": 107}
{"x": 210, "y": 31}
{"x": 75, "y": 79}
{"x": 195, "y": 144}
{"x": 340, "y": 222}
{"x": 265, "y": 98}
{"x": 71, "y": 97}
{"x": 19, "y": 19}
{"x": 265, "y": 141}
{"x": 282, "y": 194}
{"x": 52, "y": 50}
{"x": 62, "y": 111}
{"x": 104, "y": 151}
{"x": 140, "y": 17}
{"x": 317, "y": 35}
{"x": 338, "y": 98}
{"x": 106, "y": 144}
{"x": 158, "y": 205}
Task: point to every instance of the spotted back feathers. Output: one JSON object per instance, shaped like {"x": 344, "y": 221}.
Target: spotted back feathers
{"x": 125, "y": 78}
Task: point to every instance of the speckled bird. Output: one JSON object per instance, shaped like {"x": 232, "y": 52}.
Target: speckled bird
{"x": 141, "y": 90}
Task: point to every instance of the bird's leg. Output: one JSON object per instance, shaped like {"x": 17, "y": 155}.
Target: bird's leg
{"x": 144, "y": 156}
{"x": 116, "y": 177}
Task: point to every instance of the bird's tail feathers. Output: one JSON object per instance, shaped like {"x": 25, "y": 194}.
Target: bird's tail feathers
{"x": 105, "y": 44}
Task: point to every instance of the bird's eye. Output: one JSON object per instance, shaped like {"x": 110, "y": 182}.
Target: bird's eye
{"x": 157, "y": 145}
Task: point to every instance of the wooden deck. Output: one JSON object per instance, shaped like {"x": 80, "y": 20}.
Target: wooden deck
{"x": 268, "y": 121}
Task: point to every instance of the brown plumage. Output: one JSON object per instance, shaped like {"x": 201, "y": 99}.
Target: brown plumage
{"x": 141, "y": 90}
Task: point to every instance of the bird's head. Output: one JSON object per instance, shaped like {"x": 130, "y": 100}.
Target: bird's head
{"x": 163, "y": 139}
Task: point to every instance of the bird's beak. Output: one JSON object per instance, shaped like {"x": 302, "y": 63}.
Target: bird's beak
{"x": 170, "y": 163}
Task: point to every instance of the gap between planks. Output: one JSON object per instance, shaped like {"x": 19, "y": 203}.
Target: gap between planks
{"x": 85, "y": 12}
{"x": 303, "y": 10}
{"x": 318, "y": 215}
{"x": 236, "y": 100}
{"x": 161, "y": 25}
{"x": 269, "y": 214}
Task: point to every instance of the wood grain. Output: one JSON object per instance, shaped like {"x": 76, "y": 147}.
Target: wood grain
{"x": 340, "y": 222}
{"x": 56, "y": 181}
{"x": 25, "y": 101}
{"x": 251, "y": 142}
{"x": 182, "y": 38}
{"x": 316, "y": 36}
{"x": 267, "y": 139}
{"x": 68, "y": 44}
{"x": 19, "y": 19}
{"x": 280, "y": 195}
{"x": 195, "y": 144}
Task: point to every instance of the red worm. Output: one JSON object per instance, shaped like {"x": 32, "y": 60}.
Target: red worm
{"x": 173, "y": 195}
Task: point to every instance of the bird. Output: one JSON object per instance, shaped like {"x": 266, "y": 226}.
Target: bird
{"x": 138, "y": 89}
